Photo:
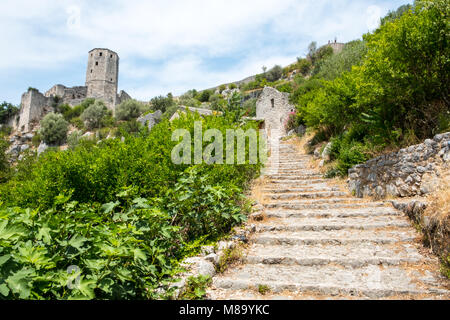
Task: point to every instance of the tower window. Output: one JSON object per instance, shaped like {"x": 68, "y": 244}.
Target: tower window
{"x": 96, "y": 63}
{"x": 273, "y": 102}
{"x": 91, "y": 70}
{"x": 111, "y": 56}
{"x": 111, "y": 79}
{"x": 101, "y": 53}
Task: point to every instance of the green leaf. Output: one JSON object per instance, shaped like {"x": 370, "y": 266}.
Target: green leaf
{"x": 21, "y": 283}
{"x": 139, "y": 254}
{"x": 4, "y": 290}
{"x": 86, "y": 287}
{"x": 77, "y": 242}
{"x": 109, "y": 207}
{"x": 4, "y": 259}
{"x": 141, "y": 203}
{"x": 44, "y": 234}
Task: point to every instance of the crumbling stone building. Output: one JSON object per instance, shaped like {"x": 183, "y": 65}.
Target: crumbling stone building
{"x": 274, "y": 108}
{"x": 102, "y": 77}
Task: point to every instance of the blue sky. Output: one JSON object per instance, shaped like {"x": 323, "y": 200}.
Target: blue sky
{"x": 171, "y": 45}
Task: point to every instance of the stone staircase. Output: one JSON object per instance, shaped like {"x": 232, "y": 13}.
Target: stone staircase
{"x": 319, "y": 242}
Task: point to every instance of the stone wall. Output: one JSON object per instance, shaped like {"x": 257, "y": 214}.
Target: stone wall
{"x": 34, "y": 105}
{"x": 409, "y": 172}
{"x": 273, "y": 106}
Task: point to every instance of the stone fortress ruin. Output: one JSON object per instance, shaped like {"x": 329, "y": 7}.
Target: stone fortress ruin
{"x": 102, "y": 76}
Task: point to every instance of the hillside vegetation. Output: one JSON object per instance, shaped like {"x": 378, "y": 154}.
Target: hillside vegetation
{"x": 120, "y": 211}
{"x": 387, "y": 91}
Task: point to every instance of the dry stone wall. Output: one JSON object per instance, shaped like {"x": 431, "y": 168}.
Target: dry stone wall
{"x": 409, "y": 172}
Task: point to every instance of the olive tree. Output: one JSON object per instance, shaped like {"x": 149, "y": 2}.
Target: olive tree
{"x": 54, "y": 128}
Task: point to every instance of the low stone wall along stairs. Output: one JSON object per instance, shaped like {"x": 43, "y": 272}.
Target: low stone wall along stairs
{"x": 319, "y": 242}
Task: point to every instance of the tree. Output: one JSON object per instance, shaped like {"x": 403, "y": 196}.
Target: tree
{"x": 304, "y": 66}
{"x": 352, "y": 55}
{"x": 129, "y": 109}
{"x": 162, "y": 103}
{"x": 54, "y": 128}
{"x": 93, "y": 116}
{"x": 7, "y": 110}
{"x": 274, "y": 74}
{"x": 264, "y": 69}
{"x": 393, "y": 15}
{"x": 312, "y": 49}
{"x": 405, "y": 76}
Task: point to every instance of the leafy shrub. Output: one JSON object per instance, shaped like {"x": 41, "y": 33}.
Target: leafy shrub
{"x": 4, "y": 163}
{"x": 94, "y": 114}
{"x": 129, "y": 127}
{"x": 350, "y": 155}
{"x": 62, "y": 108}
{"x": 274, "y": 74}
{"x": 162, "y": 103}
{"x": 285, "y": 87}
{"x": 76, "y": 111}
{"x": 53, "y": 128}
{"x": 124, "y": 245}
{"x": 304, "y": 65}
{"x": 232, "y": 86}
{"x": 204, "y": 95}
{"x": 250, "y": 107}
{"x": 129, "y": 109}
{"x": 73, "y": 139}
{"x": 36, "y": 140}
{"x": 78, "y": 123}
{"x": 121, "y": 250}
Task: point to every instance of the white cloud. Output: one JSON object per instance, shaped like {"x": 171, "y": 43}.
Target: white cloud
{"x": 164, "y": 44}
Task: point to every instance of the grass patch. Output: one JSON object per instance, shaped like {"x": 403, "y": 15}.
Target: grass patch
{"x": 230, "y": 256}
{"x": 196, "y": 288}
{"x": 263, "y": 289}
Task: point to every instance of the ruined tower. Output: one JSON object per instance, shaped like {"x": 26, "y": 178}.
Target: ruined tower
{"x": 102, "y": 76}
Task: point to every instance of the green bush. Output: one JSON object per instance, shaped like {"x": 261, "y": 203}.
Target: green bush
{"x": 4, "y": 163}
{"x": 124, "y": 245}
{"x": 73, "y": 139}
{"x": 304, "y": 65}
{"x": 63, "y": 108}
{"x": 53, "y": 128}
{"x": 76, "y": 111}
{"x": 36, "y": 140}
{"x": 274, "y": 74}
{"x": 162, "y": 103}
{"x": 129, "y": 127}
{"x": 78, "y": 123}
{"x": 250, "y": 107}
{"x": 130, "y": 109}
{"x": 7, "y": 110}
{"x": 94, "y": 115}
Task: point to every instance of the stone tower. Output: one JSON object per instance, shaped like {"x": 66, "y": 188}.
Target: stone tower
{"x": 102, "y": 76}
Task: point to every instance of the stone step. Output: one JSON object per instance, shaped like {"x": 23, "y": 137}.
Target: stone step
{"x": 308, "y": 195}
{"x": 329, "y": 206}
{"x": 328, "y": 224}
{"x": 375, "y": 236}
{"x": 354, "y": 255}
{"x": 374, "y": 282}
{"x": 297, "y": 182}
{"x": 313, "y": 188}
{"x": 334, "y": 213}
{"x": 304, "y": 176}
